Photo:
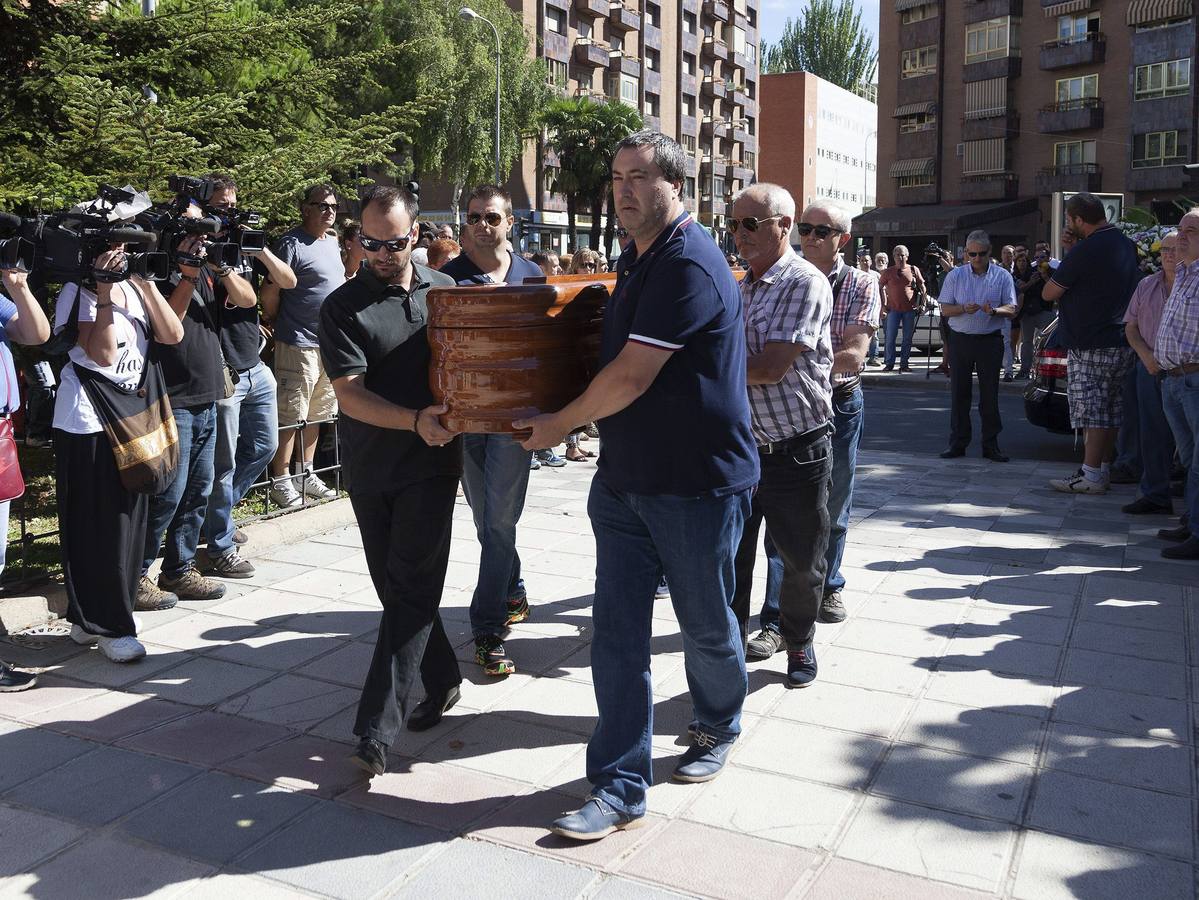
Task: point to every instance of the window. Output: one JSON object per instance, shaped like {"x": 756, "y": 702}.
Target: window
{"x": 689, "y": 24}
{"x": 1158, "y": 148}
{"x": 751, "y": 52}
{"x": 584, "y": 28}
{"x": 921, "y": 61}
{"x": 689, "y": 106}
{"x": 918, "y": 13}
{"x": 687, "y": 141}
{"x": 615, "y": 42}
{"x": 1073, "y": 155}
{"x": 555, "y": 20}
{"x": 751, "y": 90}
{"x": 987, "y": 157}
{"x": 653, "y": 59}
{"x": 688, "y": 63}
{"x": 653, "y": 14}
{"x": 926, "y": 121}
{"x": 992, "y": 39}
{"x": 717, "y": 186}
{"x": 748, "y": 159}
{"x": 652, "y": 105}
{"x": 1075, "y": 29}
{"x": 750, "y": 125}
{"x": 751, "y": 16}
{"x": 1163, "y": 79}
{"x": 1073, "y": 93}
{"x": 624, "y": 89}
{"x": 688, "y": 188}
{"x": 558, "y": 75}
{"x": 553, "y": 177}
{"x": 910, "y": 181}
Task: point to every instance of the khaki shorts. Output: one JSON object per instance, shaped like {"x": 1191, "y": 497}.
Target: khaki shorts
{"x": 305, "y": 392}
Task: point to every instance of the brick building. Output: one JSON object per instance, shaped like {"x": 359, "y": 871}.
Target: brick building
{"x": 988, "y": 108}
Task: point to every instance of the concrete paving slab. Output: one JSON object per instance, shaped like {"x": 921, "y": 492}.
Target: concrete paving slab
{"x": 843, "y": 878}
{"x": 201, "y": 681}
{"x": 206, "y": 738}
{"x": 346, "y": 665}
{"x": 263, "y": 604}
{"x": 858, "y": 668}
{"x": 982, "y": 621}
{"x": 456, "y": 872}
{"x": 1138, "y": 762}
{"x": 509, "y": 748}
{"x": 829, "y": 756}
{"x": 112, "y": 716}
{"x": 1003, "y": 654}
{"x": 954, "y": 782}
{"x": 279, "y": 648}
{"x": 1135, "y": 714}
{"x": 1060, "y": 868}
{"x": 291, "y": 700}
{"x": 849, "y": 708}
{"x": 1136, "y": 676}
{"x": 30, "y": 752}
{"x": 239, "y": 884}
{"x": 1139, "y": 642}
{"x": 300, "y": 763}
{"x": 27, "y": 837}
{"x": 990, "y": 690}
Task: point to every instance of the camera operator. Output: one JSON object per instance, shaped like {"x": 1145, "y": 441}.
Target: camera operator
{"x": 246, "y": 433}
{"x": 101, "y": 523}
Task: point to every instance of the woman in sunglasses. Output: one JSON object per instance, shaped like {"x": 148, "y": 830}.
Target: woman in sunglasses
{"x": 900, "y": 283}
{"x": 584, "y": 262}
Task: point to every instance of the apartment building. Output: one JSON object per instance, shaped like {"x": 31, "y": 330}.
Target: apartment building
{"x": 988, "y": 109}
{"x": 690, "y": 66}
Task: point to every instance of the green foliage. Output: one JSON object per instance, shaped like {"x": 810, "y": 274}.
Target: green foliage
{"x": 828, "y": 40}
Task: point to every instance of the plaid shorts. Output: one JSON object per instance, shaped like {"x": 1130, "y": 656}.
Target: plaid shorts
{"x": 1096, "y": 386}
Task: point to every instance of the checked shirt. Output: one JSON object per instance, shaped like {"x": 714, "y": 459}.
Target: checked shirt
{"x": 858, "y": 302}
{"x": 1178, "y": 334}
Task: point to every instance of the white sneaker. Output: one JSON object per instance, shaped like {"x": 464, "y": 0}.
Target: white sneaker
{"x": 122, "y": 649}
{"x": 1078, "y": 483}
{"x": 86, "y": 638}
{"x": 317, "y": 489}
{"x": 284, "y": 493}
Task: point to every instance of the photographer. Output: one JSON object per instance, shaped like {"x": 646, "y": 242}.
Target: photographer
{"x": 102, "y": 523}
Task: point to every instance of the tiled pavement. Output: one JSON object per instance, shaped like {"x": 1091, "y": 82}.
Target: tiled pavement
{"x": 1008, "y": 711}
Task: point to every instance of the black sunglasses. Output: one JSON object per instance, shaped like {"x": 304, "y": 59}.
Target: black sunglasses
{"x": 491, "y": 218}
{"x": 326, "y": 207}
{"x": 822, "y": 231}
{"x": 373, "y": 244}
{"x": 750, "y": 223}
{"x": 974, "y": 255}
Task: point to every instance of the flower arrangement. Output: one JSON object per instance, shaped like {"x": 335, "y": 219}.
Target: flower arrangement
{"x": 1148, "y": 240}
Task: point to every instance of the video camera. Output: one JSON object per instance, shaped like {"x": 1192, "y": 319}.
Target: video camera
{"x": 237, "y": 229}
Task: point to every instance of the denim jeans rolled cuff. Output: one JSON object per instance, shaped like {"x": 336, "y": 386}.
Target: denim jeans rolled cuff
{"x": 848, "y": 416}
{"x": 179, "y": 511}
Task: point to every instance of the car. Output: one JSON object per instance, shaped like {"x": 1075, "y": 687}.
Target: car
{"x": 1045, "y": 401}
{"x": 927, "y": 338}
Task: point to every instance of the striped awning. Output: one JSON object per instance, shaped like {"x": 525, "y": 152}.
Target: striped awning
{"x": 907, "y": 168}
{"x": 1142, "y": 12}
{"x": 1063, "y": 7}
{"x": 915, "y": 109}
{"x": 901, "y": 5}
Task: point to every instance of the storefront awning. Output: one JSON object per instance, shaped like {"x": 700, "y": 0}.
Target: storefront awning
{"x": 942, "y": 218}
{"x": 907, "y": 168}
{"x": 1142, "y": 12}
{"x": 915, "y": 109}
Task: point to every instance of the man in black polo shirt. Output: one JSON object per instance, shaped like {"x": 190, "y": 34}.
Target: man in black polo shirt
{"x": 673, "y": 357}
{"x": 404, "y": 465}
{"x": 1092, "y": 288}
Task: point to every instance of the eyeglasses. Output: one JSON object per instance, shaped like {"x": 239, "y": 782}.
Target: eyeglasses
{"x": 750, "y": 223}
{"x": 974, "y": 254}
{"x": 326, "y": 207}
{"x": 372, "y": 244}
{"x": 821, "y": 231}
{"x": 494, "y": 219}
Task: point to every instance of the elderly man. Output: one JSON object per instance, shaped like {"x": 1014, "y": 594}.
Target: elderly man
{"x": 1141, "y": 322}
{"x": 881, "y": 261}
{"x": 673, "y": 362}
{"x": 823, "y": 232}
{"x": 788, "y": 306}
{"x": 1176, "y": 352}
{"x": 1092, "y": 288}
{"x": 977, "y": 300}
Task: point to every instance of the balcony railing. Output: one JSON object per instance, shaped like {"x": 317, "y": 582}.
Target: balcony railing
{"x": 1081, "y": 50}
{"x": 623, "y": 18}
{"x": 1069, "y": 177}
{"x": 717, "y": 9}
{"x": 715, "y": 48}
{"x": 588, "y": 53}
{"x": 1071, "y": 115}
{"x": 1158, "y": 161}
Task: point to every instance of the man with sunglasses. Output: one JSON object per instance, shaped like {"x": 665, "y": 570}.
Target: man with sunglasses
{"x": 495, "y": 467}
{"x": 977, "y": 300}
{"x": 404, "y": 466}
{"x": 305, "y": 393}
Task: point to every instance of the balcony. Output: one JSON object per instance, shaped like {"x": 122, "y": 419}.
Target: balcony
{"x": 978, "y": 10}
{"x": 740, "y": 133}
{"x": 740, "y": 98}
{"x": 711, "y": 128}
{"x": 740, "y": 61}
{"x": 623, "y": 18}
{"x": 620, "y": 63}
{"x": 591, "y": 94}
{"x": 590, "y": 54}
{"x": 1006, "y": 124}
{"x": 715, "y": 48}
{"x": 715, "y": 165}
{"x": 718, "y": 10}
{"x": 1157, "y": 174}
{"x": 1085, "y": 50}
{"x": 1075, "y": 177}
{"x": 743, "y": 173}
{"x": 1071, "y": 115}
{"x": 714, "y": 88}
{"x": 992, "y": 186}
{"x": 1000, "y": 67}
{"x": 593, "y": 9}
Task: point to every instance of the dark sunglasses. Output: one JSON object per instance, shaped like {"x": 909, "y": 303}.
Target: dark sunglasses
{"x": 373, "y": 244}
{"x": 491, "y": 218}
{"x": 326, "y": 207}
{"x": 749, "y": 223}
{"x": 589, "y": 265}
{"x": 974, "y": 255}
{"x": 822, "y": 231}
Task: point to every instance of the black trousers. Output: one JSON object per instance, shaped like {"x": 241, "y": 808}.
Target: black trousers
{"x": 967, "y": 353}
{"x": 793, "y": 499}
{"x": 406, "y": 536}
{"x": 102, "y": 531}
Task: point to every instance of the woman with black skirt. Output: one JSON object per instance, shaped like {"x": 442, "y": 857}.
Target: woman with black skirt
{"x": 102, "y": 526}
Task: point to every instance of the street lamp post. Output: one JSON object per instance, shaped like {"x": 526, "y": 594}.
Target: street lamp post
{"x": 467, "y": 13}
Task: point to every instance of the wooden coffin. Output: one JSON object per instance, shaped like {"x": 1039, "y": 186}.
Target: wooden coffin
{"x": 505, "y": 352}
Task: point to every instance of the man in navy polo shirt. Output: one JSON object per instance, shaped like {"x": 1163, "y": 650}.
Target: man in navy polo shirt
{"x": 495, "y": 474}
{"x": 673, "y": 359}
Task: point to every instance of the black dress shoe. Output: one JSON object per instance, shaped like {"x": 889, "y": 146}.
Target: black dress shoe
{"x": 996, "y": 455}
{"x": 1188, "y": 549}
{"x": 1181, "y": 533}
{"x": 1178, "y": 489}
{"x": 430, "y": 710}
{"x": 1143, "y": 506}
{"x": 953, "y": 452}
{"x": 371, "y": 756}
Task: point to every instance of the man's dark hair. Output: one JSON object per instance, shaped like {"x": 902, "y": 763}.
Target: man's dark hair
{"x": 387, "y": 196}
{"x": 488, "y": 192}
{"x": 318, "y": 190}
{"x": 668, "y": 155}
{"x": 1087, "y": 207}
{"x": 221, "y": 181}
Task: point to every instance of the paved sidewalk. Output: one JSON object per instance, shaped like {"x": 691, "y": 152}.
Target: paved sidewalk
{"x": 1007, "y": 711}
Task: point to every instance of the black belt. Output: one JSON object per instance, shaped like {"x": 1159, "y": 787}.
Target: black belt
{"x": 970, "y": 334}
{"x": 797, "y": 440}
{"x": 842, "y": 390}
{"x": 1184, "y": 369}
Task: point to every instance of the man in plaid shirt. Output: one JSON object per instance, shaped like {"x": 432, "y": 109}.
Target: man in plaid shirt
{"x": 787, "y": 304}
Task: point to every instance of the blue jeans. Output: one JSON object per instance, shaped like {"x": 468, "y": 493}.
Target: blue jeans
{"x": 179, "y": 510}
{"x": 1128, "y": 438}
{"x": 495, "y": 477}
{"x": 638, "y": 537}
{"x": 1180, "y": 403}
{"x": 1157, "y": 443}
{"x": 247, "y": 435}
{"x": 872, "y": 353}
{"x": 894, "y": 320}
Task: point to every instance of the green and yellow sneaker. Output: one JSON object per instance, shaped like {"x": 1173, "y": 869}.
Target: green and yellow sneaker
{"x": 518, "y": 609}
{"x": 489, "y": 653}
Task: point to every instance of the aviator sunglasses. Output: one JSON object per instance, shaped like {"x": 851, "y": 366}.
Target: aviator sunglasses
{"x": 372, "y": 244}
{"x": 494, "y": 219}
{"x": 749, "y": 223}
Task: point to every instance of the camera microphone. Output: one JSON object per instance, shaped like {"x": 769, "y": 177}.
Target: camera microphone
{"x": 9, "y": 221}
{"x": 132, "y": 236}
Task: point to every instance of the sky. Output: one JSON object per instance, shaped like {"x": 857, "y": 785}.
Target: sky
{"x": 776, "y": 12}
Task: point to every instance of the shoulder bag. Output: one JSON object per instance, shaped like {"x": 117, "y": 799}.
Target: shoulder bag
{"x": 12, "y": 483}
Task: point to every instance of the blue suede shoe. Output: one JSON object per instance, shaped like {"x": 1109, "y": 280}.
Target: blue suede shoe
{"x": 801, "y": 666}
{"x": 704, "y": 760}
{"x": 595, "y": 820}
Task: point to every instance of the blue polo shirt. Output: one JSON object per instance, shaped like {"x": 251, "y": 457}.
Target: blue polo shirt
{"x": 680, "y": 296}
{"x": 1099, "y": 276}
{"x": 463, "y": 271}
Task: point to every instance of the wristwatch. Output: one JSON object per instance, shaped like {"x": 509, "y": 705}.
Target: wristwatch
{"x": 194, "y": 279}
